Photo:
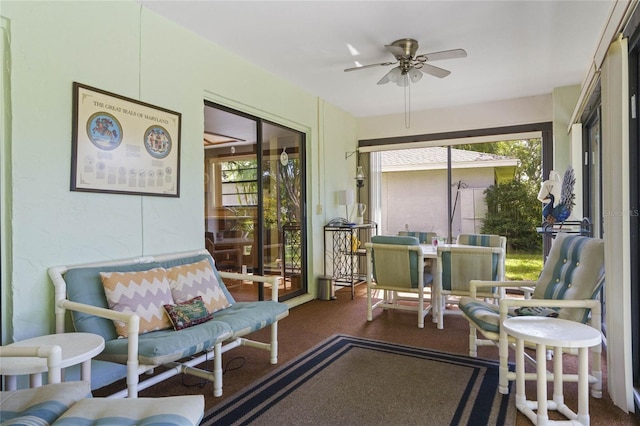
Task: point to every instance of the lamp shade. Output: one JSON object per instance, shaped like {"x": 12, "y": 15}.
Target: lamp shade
{"x": 394, "y": 74}
{"x": 415, "y": 75}
{"x": 346, "y": 197}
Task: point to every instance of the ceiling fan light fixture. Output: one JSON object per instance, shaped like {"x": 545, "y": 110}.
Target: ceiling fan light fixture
{"x": 415, "y": 75}
{"x": 395, "y": 74}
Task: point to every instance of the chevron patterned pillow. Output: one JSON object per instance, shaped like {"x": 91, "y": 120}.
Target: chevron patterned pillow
{"x": 144, "y": 293}
{"x": 197, "y": 279}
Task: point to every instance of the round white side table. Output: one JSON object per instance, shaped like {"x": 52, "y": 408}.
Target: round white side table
{"x": 77, "y": 348}
{"x": 557, "y": 333}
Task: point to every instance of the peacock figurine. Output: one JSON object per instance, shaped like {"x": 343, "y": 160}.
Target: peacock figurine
{"x": 557, "y": 212}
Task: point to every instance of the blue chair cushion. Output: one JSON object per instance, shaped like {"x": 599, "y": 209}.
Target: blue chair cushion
{"x": 485, "y": 316}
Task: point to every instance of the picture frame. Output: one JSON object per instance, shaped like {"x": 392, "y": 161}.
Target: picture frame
{"x": 123, "y": 146}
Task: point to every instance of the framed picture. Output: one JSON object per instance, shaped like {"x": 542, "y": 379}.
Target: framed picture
{"x": 123, "y": 146}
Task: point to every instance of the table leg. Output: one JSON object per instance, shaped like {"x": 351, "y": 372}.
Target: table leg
{"x": 583, "y": 386}
{"x": 85, "y": 372}
{"x": 541, "y": 370}
{"x": 521, "y": 399}
{"x": 558, "y": 391}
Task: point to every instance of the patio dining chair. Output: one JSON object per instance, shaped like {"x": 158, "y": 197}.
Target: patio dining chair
{"x": 457, "y": 266}
{"x": 395, "y": 265}
{"x": 485, "y": 240}
{"x": 567, "y": 288}
{"x": 424, "y": 237}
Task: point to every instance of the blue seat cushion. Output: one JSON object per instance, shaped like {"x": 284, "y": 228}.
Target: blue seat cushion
{"x": 185, "y": 410}
{"x": 163, "y": 346}
{"x": 42, "y": 405}
{"x": 246, "y": 317}
{"x": 485, "y": 316}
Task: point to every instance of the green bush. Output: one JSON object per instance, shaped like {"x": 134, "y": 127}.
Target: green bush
{"x": 515, "y": 212}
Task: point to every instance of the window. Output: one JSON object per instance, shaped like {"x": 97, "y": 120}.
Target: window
{"x": 239, "y": 183}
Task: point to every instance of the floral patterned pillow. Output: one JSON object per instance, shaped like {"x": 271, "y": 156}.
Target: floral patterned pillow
{"x": 189, "y": 313}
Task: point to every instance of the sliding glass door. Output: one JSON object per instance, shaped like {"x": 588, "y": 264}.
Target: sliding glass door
{"x": 282, "y": 175}
{"x": 592, "y": 149}
{"x": 464, "y": 189}
{"x": 254, "y": 192}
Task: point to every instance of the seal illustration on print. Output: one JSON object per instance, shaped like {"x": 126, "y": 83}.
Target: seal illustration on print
{"x": 157, "y": 141}
{"x": 104, "y": 131}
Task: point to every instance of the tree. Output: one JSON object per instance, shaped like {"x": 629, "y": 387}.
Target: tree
{"x": 527, "y": 151}
{"x": 513, "y": 208}
{"x": 512, "y": 213}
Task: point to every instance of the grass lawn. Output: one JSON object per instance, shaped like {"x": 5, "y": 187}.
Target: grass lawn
{"x": 523, "y": 266}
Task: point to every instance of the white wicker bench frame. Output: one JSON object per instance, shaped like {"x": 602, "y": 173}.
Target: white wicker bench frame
{"x": 134, "y": 368}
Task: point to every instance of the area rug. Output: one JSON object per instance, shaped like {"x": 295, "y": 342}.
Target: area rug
{"x": 353, "y": 381}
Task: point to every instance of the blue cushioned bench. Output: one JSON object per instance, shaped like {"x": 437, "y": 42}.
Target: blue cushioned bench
{"x": 80, "y": 289}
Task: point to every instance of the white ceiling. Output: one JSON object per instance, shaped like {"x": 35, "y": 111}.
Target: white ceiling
{"x": 515, "y": 48}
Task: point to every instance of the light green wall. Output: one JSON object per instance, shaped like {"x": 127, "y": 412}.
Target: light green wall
{"x": 566, "y": 151}
{"x": 564, "y": 102}
{"x": 508, "y": 112}
{"x": 123, "y": 48}
{"x": 5, "y": 174}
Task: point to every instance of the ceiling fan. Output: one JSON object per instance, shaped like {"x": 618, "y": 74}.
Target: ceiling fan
{"x": 410, "y": 66}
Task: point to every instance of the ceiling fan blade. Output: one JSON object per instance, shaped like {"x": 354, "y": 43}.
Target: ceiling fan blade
{"x": 383, "y": 64}
{"x": 434, "y": 71}
{"x": 445, "y": 54}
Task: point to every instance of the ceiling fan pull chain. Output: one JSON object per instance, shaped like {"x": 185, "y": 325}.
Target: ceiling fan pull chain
{"x": 407, "y": 106}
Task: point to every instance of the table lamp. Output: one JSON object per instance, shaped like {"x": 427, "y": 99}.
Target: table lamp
{"x": 346, "y": 197}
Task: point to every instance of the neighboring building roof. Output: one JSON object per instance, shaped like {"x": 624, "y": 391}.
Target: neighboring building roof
{"x": 435, "y": 158}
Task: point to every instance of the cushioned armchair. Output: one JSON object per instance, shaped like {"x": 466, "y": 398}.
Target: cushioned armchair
{"x": 395, "y": 265}
{"x": 567, "y": 288}
{"x": 457, "y": 266}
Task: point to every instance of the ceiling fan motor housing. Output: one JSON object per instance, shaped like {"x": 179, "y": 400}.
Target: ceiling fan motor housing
{"x": 408, "y": 45}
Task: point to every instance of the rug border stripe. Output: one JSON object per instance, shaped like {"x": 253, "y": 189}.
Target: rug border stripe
{"x": 262, "y": 395}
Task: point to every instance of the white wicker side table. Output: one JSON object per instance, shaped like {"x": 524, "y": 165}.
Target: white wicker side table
{"x": 556, "y": 333}
{"x": 77, "y": 348}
